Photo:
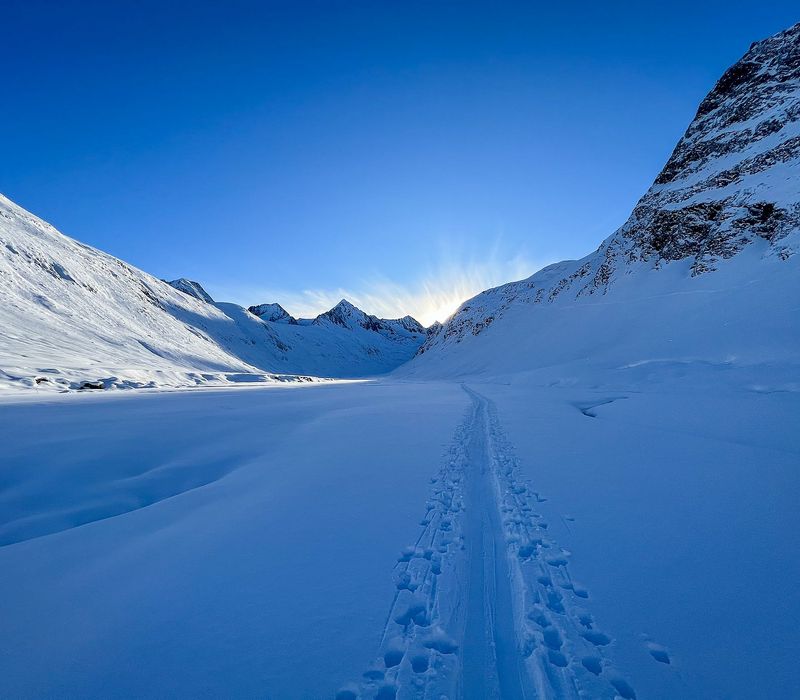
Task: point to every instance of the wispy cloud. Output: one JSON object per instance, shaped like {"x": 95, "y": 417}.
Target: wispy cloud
{"x": 446, "y": 281}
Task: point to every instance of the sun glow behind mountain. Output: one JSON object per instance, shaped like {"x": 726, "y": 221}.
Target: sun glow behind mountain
{"x": 446, "y": 284}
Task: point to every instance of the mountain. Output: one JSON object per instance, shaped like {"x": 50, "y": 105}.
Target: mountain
{"x": 346, "y": 315}
{"x": 342, "y": 342}
{"x": 705, "y": 268}
{"x": 272, "y": 312}
{"x": 74, "y": 317}
{"x": 193, "y": 289}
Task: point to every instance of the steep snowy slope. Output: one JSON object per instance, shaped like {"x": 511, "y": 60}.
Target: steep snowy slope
{"x": 720, "y": 227}
{"x": 72, "y": 316}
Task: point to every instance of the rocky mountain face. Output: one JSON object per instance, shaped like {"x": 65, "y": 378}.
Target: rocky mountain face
{"x": 732, "y": 178}
{"x": 345, "y": 315}
{"x": 731, "y": 184}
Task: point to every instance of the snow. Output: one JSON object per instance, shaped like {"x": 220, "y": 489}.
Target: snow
{"x": 71, "y": 314}
{"x": 681, "y": 516}
{"x": 741, "y": 316}
{"x": 262, "y": 541}
{"x": 272, "y": 312}
{"x": 584, "y": 485}
{"x": 208, "y": 544}
{"x": 192, "y": 288}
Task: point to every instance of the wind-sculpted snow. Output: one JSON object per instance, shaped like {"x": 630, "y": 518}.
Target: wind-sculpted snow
{"x": 730, "y": 186}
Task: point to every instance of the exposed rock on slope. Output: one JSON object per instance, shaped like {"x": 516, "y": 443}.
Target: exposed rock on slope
{"x": 272, "y": 312}
{"x": 732, "y": 183}
{"x": 346, "y": 315}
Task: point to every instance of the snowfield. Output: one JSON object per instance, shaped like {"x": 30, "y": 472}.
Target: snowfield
{"x": 264, "y": 542}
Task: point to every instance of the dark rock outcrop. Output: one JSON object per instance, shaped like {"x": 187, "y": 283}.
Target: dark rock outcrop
{"x": 733, "y": 180}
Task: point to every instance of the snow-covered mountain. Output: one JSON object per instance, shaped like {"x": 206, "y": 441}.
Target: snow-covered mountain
{"x": 342, "y": 342}
{"x": 72, "y": 316}
{"x": 346, "y": 315}
{"x": 272, "y": 312}
{"x": 192, "y": 288}
{"x": 704, "y": 269}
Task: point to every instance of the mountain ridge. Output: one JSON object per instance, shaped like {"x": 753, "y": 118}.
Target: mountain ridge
{"x": 730, "y": 183}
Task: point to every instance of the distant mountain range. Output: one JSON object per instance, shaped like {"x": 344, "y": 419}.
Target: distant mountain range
{"x": 704, "y": 270}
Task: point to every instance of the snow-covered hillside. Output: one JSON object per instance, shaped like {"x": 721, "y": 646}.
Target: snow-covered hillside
{"x": 73, "y": 316}
{"x": 705, "y": 269}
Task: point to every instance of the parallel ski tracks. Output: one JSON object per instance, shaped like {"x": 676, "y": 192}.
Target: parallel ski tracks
{"x": 485, "y": 605}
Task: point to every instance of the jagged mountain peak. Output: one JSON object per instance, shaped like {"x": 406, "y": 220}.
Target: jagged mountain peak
{"x": 192, "y": 288}
{"x": 411, "y": 324}
{"x": 349, "y": 316}
{"x": 345, "y": 305}
{"x": 406, "y": 324}
{"x": 776, "y": 58}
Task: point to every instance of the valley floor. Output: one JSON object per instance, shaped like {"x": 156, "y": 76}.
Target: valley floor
{"x": 516, "y": 539}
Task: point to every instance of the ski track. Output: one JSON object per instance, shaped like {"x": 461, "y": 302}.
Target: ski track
{"x": 485, "y": 605}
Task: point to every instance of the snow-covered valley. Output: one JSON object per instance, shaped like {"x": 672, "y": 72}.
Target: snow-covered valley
{"x": 262, "y": 541}
{"x": 582, "y": 485}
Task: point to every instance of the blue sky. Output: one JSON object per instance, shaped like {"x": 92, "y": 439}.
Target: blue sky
{"x": 403, "y": 154}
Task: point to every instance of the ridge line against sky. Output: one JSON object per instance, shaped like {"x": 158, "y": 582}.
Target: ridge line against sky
{"x": 449, "y": 278}
{"x": 301, "y": 152}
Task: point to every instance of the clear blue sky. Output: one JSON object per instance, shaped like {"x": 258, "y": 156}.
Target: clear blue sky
{"x": 389, "y": 150}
